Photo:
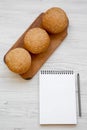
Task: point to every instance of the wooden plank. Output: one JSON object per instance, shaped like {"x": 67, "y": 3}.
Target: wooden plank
{"x": 39, "y": 59}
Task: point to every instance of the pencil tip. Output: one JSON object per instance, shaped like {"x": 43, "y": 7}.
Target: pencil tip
{"x": 78, "y": 74}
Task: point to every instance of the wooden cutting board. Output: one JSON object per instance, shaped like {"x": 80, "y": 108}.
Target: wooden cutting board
{"x": 39, "y": 59}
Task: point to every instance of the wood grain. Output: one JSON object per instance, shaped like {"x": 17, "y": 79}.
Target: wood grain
{"x": 19, "y": 98}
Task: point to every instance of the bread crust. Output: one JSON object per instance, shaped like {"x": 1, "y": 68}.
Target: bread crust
{"x": 54, "y": 20}
{"x": 18, "y": 60}
{"x": 36, "y": 40}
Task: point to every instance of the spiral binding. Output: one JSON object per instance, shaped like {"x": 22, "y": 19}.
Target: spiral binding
{"x": 57, "y": 72}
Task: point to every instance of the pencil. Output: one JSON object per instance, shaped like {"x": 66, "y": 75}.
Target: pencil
{"x": 79, "y": 97}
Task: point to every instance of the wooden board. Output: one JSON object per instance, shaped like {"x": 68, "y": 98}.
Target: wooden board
{"x": 39, "y": 59}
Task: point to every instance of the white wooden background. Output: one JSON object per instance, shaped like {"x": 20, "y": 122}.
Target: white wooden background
{"x": 19, "y": 103}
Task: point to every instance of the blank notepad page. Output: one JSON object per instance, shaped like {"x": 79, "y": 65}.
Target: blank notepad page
{"x": 57, "y": 97}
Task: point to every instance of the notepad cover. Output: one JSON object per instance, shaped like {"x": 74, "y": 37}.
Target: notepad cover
{"x": 57, "y": 98}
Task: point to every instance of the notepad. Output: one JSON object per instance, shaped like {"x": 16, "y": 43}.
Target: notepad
{"x": 57, "y": 95}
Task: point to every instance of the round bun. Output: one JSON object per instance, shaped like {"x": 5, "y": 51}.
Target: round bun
{"x": 18, "y": 60}
{"x": 54, "y": 20}
{"x": 36, "y": 40}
